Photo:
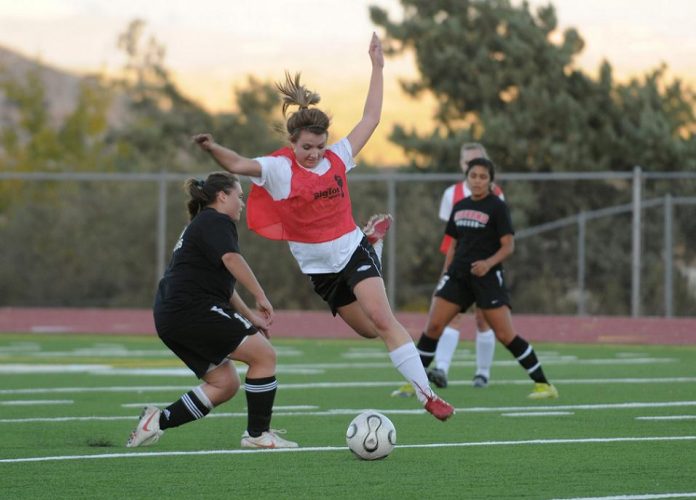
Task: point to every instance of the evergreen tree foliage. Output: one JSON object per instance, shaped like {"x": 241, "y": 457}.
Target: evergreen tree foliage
{"x": 506, "y": 76}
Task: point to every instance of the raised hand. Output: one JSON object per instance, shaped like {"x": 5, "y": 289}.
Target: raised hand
{"x": 375, "y": 51}
{"x": 205, "y": 141}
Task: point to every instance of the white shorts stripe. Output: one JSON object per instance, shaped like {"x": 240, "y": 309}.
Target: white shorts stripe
{"x": 376, "y": 264}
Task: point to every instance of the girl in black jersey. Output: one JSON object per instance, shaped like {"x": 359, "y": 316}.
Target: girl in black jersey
{"x": 203, "y": 320}
{"x": 474, "y": 274}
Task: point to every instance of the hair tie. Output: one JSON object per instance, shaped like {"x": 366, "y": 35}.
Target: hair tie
{"x": 200, "y": 183}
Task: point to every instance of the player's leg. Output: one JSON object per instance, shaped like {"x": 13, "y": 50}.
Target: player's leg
{"x": 193, "y": 405}
{"x": 485, "y": 350}
{"x": 500, "y": 321}
{"x": 444, "y": 353}
{"x": 203, "y": 339}
{"x": 372, "y": 299}
{"x": 360, "y": 323}
{"x": 452, "y": 295}
{"x": 441, "y": 313}
{"x": 220, "y": 384}
{"x": 218, "y": 331}
{"x": 260, "y": 386}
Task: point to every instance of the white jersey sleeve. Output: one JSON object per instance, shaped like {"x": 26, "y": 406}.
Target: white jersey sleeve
{"x": 343, "y": 150}
{"x": 276, "y": 176}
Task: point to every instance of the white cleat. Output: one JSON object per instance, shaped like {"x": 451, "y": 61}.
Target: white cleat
{"x": 267, "y": 440}
{"x": 148, "y": 431}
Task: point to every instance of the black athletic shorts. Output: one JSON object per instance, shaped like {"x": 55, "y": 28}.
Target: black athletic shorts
{"x": 202, "y": 336}
{"x": 488, "y": 291}
{"x": 337, "y": 288}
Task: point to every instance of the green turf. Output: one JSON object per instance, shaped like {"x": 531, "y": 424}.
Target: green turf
{"x": 595, "y": 444}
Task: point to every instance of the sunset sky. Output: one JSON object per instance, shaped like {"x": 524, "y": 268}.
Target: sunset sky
{"x": 212, "y": 45}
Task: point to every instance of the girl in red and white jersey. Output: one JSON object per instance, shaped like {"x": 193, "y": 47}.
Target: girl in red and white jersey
{"x": 301, "y": 195}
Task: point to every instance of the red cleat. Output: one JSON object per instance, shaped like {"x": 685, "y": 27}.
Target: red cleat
{"x": 439, "y": 408}
{"x": 377, "y": 227}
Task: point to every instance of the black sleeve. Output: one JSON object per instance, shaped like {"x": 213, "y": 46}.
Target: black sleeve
{"x": 451, "y": 227}
{"x": 219, "y": 238}
{"x": 503, "y": 222}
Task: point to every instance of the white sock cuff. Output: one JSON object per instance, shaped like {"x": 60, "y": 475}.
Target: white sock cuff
{"x": 403, "y": 353}
{"x": 450, "y": 331}
{"x": 487, "y": 333}
{"x": 202, "y": 397}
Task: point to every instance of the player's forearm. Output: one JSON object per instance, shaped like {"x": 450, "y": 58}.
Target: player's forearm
{"x": 239, "y": 305}
{"x": 506, "y": 250}
{"x": 226, "y": 158}
{"x": 372, "y": 112}
{"x": 237, "y": 265}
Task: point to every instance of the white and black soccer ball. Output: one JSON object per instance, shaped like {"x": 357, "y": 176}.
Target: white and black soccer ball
{"x": 371, "y": 436}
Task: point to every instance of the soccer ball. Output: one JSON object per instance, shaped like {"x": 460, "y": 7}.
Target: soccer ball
{"x": 371, "y": 436}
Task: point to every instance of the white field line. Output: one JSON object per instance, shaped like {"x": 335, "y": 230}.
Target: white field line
{"x": 276, "y": 408}
{"x": 671, "y": 417}
{"x": 386, "y": 411}
{"x": 336, "y": 385}
{"x": 108, "y": 350}
{"x": 344, "y": 448}
{"x": 654, "y": 496}
{"x": 37, "y": 402}
{"x": 308, "y": 369}
{"x": 538, "y": 414}
{"x": 108, "y": 370}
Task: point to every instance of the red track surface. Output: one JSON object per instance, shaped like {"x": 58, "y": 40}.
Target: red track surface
{"x": 319, "y": 324}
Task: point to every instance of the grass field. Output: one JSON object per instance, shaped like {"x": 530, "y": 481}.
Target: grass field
{"x": 624, "y": 426}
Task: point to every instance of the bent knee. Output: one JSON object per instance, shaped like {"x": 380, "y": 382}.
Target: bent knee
{"x": 224, "y": 390}
{"x": 434, "y": 329}
{"x": 383, "y": 320}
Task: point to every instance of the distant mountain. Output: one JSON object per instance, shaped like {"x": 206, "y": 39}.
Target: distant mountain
{"x": 62, "y": 87}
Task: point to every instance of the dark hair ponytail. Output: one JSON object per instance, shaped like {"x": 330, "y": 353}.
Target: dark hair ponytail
{"x": 293, "y": 93}
{"x": 203, "y": 193}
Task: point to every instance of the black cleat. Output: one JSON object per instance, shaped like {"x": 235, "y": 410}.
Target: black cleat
{"x": 438, "y": 377}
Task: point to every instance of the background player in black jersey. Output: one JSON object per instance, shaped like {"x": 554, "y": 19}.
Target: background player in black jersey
{"x": 474, "y": 273}
{"x": 203, "y": 320}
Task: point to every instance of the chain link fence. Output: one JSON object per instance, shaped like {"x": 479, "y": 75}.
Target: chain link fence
{"x": 103, "y": 240}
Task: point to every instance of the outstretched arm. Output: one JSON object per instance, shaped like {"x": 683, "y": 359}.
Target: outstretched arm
{"x": 372, "y": 112}
{"x": 237, "y": 265}
{"x": 226, "y": 158}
